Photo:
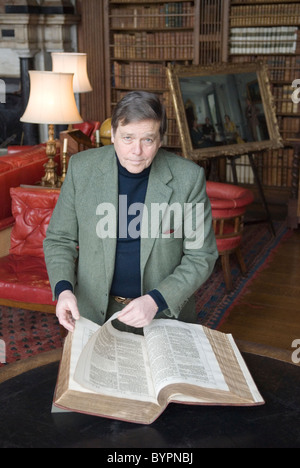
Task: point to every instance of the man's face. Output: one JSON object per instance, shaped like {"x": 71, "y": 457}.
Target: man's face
{"x": 136, "y": 144}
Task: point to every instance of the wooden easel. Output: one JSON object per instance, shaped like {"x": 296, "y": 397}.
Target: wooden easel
{"x": 258, "y": 183}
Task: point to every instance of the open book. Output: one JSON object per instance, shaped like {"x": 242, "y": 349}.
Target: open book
{"x": 131, "y": 377}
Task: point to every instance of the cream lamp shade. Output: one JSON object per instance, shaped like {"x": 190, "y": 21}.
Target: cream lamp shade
{"x": 51, "y": 99}
{"x": 73, "y": 62}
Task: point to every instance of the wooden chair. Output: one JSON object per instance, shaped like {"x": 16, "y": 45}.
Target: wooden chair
{"x": 228, "y": 204}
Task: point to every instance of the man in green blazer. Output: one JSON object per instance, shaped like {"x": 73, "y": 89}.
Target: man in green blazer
{"x": 132, "y": 228}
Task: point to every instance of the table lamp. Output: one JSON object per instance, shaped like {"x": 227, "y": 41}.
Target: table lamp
{"x": 73, "y": 62}
{"x": 51, "y": 101}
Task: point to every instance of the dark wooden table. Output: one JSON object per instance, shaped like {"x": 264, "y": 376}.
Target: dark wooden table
{"x": 27, "y": 420}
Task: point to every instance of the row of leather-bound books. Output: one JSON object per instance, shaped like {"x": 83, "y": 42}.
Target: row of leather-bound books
{"x": 153, "y": 45}
{"x": 284, "y": 102}
{"x": 139, "y": 75}
{"x": 289, "y": 127}
{"x": 280, "y": 67}
{"x": 263, "y": 40}
{"x": 168, "y": 15}
{"x": 265, "y": 14}
{"x": 275, "y": 168}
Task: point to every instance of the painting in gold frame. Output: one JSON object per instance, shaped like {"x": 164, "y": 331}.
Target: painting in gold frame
{"x": 223, "y": 110}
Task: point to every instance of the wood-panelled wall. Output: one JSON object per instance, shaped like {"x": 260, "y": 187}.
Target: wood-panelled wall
{"x": 91, "y": 41}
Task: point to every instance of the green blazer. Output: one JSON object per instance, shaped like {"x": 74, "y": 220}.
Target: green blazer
{"x": 75, "y": 252}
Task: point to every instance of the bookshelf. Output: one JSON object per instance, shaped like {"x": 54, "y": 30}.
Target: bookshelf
{"x": 269, "y": 31}
{"x": 144, "y": 36}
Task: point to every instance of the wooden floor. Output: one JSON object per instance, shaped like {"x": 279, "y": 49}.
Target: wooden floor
{"x": 269, "y": 313}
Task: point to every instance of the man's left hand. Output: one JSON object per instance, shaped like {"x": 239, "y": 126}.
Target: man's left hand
{"x": 139, "y": 312}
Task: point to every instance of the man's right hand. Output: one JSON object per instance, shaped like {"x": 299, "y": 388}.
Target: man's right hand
{"x": 66, "y": 310}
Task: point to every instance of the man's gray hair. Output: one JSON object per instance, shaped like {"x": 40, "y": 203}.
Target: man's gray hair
{"x": 137, "y": 106}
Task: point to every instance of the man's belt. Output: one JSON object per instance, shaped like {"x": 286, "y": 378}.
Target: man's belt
{"x": 122, "y": 300}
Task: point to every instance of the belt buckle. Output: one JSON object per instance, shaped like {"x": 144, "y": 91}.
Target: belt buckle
{"x": 122, "y": 300}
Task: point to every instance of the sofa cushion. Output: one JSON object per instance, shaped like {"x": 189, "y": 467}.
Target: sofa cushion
{"x": 25, "y": 279}
{"x": 28, "y": 156}
{"x": 32, "y": 210}
{"x": 5, "y": 167}
{"x": 228, "y": 200}
{"x": 14, "y": 149}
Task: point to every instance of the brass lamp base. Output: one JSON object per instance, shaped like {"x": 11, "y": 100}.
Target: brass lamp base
{"x": 50, "y": 178}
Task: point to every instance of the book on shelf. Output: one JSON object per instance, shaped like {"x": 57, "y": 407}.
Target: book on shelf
{"x": 283, "y": 67}
{"x": 264, "y": 15}
{"x": 263, "y": 40}
{"x": 279, "y": 67}
{"x": 276, "y": 170}
{"x": 120, "y": 375}
{"x": 290, "y": 128}
{"x": 283, "y": 100}
{"x": 173, "y": 45}
{"x": 244, "y": 171}
{"x": 168, "y": 15}
{"x": 142, "y": 75}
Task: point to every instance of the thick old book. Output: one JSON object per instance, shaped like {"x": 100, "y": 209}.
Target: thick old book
{"x": 131, "y": 377}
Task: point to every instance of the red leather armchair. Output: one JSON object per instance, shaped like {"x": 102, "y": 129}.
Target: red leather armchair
{"x": 23, "y": 276}
{"x": 228, "y": 204}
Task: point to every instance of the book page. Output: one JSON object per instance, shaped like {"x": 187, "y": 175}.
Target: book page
{"x": 115, "y": 363}
{"x": 250, "y": 383}
{"x": 84, "y": 329}
{"x": 181, "y": 353}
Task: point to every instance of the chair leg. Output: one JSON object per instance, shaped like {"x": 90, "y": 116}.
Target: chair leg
{"x": 241, "y": 261}
{"x": 226, "y": 271}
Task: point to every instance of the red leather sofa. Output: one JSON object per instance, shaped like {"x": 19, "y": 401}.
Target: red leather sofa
{"x": 21, "y": 165}
{"x": 23, "y": 276}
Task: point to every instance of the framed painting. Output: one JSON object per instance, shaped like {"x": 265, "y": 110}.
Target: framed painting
{"x": 223, "y": 110}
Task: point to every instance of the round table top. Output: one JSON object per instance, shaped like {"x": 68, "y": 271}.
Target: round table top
{"x": 28, "y": 422}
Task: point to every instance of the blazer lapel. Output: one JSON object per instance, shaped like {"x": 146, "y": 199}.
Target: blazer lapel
{"x": 106, "y": 176}
{"x": 158, "y": 192}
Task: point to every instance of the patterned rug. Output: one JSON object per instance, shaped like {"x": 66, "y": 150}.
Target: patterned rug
{"x": 25, "y": 333}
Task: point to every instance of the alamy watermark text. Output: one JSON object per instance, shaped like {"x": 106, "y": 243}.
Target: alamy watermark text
{"x": 296, "y": 93}
{"x": 161, "y": 220}
{"x": 2, "y": 92}
{"x": 2, "y": 352}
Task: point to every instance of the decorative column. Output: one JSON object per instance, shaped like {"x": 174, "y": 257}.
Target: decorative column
{"x": 18, "y": 28}
{"x": 30, "y": 131}
{"x": 59, "y": 33}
